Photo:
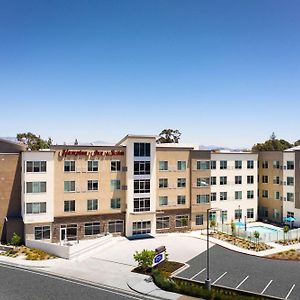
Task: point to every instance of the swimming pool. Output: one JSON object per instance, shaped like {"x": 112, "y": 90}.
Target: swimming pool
{"x": 262, "y": 229}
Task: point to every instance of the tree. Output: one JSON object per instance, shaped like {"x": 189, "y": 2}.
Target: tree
{"x": 273, "y": 144}
{"x": 286, "y": 229}
{"x": 213, "y": 224}
{"x": 15, "y": 240}
{"x": 233, "y": 228}
{"x": 256, "y": 235}
{"x": 33, "y": 141}
{"x": 297, "y": 143}
{"x": 144, "y": 258}
{"x": 169, "y": 136}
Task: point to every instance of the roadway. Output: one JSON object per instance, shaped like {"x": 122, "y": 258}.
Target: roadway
{"x": 20, "y": 283}
{"x": 245, "y": 272}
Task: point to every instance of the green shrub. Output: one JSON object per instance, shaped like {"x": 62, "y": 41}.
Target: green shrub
{"x": 15, "y": 240}
{"x": 144, "y": 258}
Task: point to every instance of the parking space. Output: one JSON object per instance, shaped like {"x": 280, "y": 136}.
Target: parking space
{"x": 249, "y": 273}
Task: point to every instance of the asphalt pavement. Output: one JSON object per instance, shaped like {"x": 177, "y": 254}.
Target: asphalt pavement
{"x": 228, "y": 268}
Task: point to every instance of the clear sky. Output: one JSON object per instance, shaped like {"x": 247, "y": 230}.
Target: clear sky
{"x": 222, "y": 72}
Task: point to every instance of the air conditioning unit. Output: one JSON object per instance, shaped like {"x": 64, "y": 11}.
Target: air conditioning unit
{"x": 77, "y": 190}
{"x": 124, "y": 187}
{"x": 124, "y": 169}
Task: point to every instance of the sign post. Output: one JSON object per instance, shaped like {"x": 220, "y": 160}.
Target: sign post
{"x": 160, "y": 256}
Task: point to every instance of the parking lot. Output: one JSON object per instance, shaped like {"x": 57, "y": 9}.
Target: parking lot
{"x": 249, "y": 273}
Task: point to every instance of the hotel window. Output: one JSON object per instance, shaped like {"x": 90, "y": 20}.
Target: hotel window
{"x": 276, "y": 213}
{"x": 42, "y": 233}
{"x": 181, "y": 165}
{"x": 181, "y": 182}
{"x": 265, "y": 179}
{"x": 163, "y": 200}
{"x": 213, "y": 180}
{"x": 290, "y": 165}
{"x": 141, "y": 167}
{"x": 265, "y": 164}
{"x": 213, "y": 165}
{"x": 116, "y": 226}
{"x": 35, "y": 208}
{"x": 115, "y": 165}
{"x": 250, "y": 164}
{"x": 224, "y": 216}
{"x": 265, "y": 212}
{"x": 290, "y": 197}
{"x": 36, "y": 187}
{"x": 223, "y": 164}
{"x": 213, "y": 196}
{"x": 92, "y": 228}
{"x": 203, "y": 165}
{"x": 92, "y": 185}
{"x": 115, "y": 203}
{"x": 223, "y": 196}
{"x": 180, "y": 199}
{"x": 36, "y": 166}
{"x": 237, "y": 214}
{"x": 181, "y": 221}
{"x": 250, "y": 194}
{"x": 203, "y": 181}
{"x": 276, "y": 195}
{"x": 69, "y": 165}
{"x": 141, "y": 227}
{"x": 276, "y": 180}
{"x": 238, "y": 195}
{"x": 250, "y": 179}
{"x": 69, "y": 205}
{"x": 223, "y": 180}
{"x": 92, "y": 204}
{"x": 199, "y": 219}
{"x": 142, "y": 149}
{"x": 163, "y": 165}
{"x": 276, "y": 164}
{"x": 290, "y": 214}
{"x": 238, "y": 179}
{"x": 142, "y": 186}
{"x": 203, "y": 199}
{"x": 238, "y": 164}
{"x": 163, "y": 183}
{"x": 93, "y": 166}
{"x": 115, "y": 184}
{"x": 290, "y": 180}
{"x": 141, "y": 204}
{"x": 265, "y": 194}
{"x": 250, "y": 213}
{"x": 69, "y": 186}
{"x": 162, "y": 222}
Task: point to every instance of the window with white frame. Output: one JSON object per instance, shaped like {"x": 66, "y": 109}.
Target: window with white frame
{"x": 116, "y": 226}
{"x": 163, "y": 165}
{"x": 141, "y": 227}
{"x": 213, "y": 164}
{"x": 92, "y": 204}
{"x": 265, "y": 179}
{"x": 141, "y": 204}
{"x": 181, "y": 182}
{"x": 141, "y": 167}
{"x": 276, "y": 180}
{"x": 223, "y": 164}
{"x": 203, "y": 165}
{"x": 250, "y": 164}
{"x": 36, "y": 187}
{"x": 290, "y": 180}
{"x": 265, "y": 194}
{"x": 69, "y": 165}
{"x": 213, "y": 196}
{"x": 36, "y": 166}
{"x": 115, "y": 184}
{"x": 238, "y": 195}
{"x": 223, "y": 180}
{"x": 142, "y": 149}
{"x": 181, "y": 221}
{"x": 250, "y": 179}
{"x": 180, "y": 199}
{"x": 35, "y": 208}
{"x": 238, "y": 164}
{"x": 223, "y": 196}
{"x": 250, "y": 194}
{"x": 290, "y": 197}
{"x": 250, "y": 213}
{"x": 163, "y": 183}
{"x": 115, "y": 203}
{"x": 92, "y": 228}
{"x": 115, "y": 165}
{"x": 238, "y": 179}
{"x": 162, "y": 222}
{"x": 69, "y": 205}
{"x": 92, "y": 185}
{"x": 276, "y": 164}
{"x": 213, "y": 180}
{"x": 181, "y": 165}
{"x": 92, "y": 165}
{"x": 203, "y": 181}
{"x": 203, "y": 198}
{"x": 265, "y": 164}
{"x": 141, "y": 186}
{"x": 237, "y": 214}
{"x": 276, "y": 195}
{"x": 290, "y": 165}
{"x": 199, "y": 219}
{"x": 69, "y": 186}
{"x": 42, "y": 232}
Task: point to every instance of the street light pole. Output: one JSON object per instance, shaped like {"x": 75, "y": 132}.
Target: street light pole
{"x": 207, "y": 280}
{"x": 239, "y": 214}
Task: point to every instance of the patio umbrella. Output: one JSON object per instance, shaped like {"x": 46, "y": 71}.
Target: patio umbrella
{"x": 289, "y": 219}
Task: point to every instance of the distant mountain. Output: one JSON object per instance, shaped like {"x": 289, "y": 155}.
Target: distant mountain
{"x": 214, "y": 147}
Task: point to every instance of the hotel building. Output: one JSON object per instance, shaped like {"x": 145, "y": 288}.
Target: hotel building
{"x": 134, "y": 187}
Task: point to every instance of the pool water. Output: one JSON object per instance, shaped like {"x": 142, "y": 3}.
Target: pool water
{"x": 262, "y": 229}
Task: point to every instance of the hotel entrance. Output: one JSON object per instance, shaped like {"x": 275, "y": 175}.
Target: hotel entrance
{"x": 68, "y": 232}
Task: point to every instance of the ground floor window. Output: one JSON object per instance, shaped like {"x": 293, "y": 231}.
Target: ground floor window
{"x": 224, "y": 216}
{"x": 276, "y": 213}
{"x": 163, "y": 223}
{"x": 250, "y": 213}
{"x": 212, "y": 215}
{"x": 199, "y": 219}
{"x": 290, "y": 214}
{"x": 142, "y": 227}
{"x": 92, "y": 228}
{"x": 42, "y": 233}
{"x": 181, "y": 221}
{"x": 238, "y": 214}
{"x": 116, "y": 226}
{"x": 70, "y": 230}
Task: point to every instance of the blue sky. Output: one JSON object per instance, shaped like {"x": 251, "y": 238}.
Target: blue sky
{"x": 222, "y": 72}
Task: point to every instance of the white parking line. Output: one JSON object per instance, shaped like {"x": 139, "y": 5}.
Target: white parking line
{"x": 198, "y": 273}
{"x": 242, "y": 282}
{"x": 287, "y": 296}
{"x": 266, "y": 287}
{"x": 219, "y": 278}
